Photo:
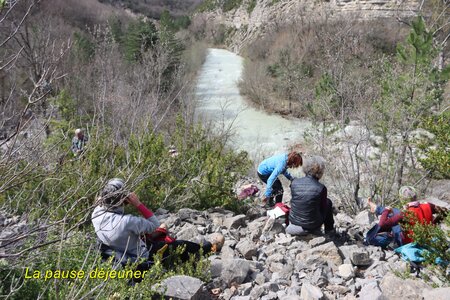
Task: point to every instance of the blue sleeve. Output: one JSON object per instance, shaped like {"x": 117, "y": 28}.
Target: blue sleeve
{"x": 277, "y": 171}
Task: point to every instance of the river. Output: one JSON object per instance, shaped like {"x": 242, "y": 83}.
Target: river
{"x": 252, "y": 130}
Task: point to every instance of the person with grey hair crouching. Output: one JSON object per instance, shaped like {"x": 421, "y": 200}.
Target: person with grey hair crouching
{"x": 310, "y": 207}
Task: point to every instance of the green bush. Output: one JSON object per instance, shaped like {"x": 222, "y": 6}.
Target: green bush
{"x": 202, "y": 176}
{"x": 251, "y": 6}
{"x": 231, "y": 4}
{"x": 435, "y": 239}
{"x": 138, "y": 38}
{"x": 79, "y": 253}
{"x": 207, "y": 5}
{"x": 437, "y": 156}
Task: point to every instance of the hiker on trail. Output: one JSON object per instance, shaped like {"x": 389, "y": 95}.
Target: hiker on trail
{"x": 130, "y": 237}
{"x": 392, "y": 219}
{"x": 310, "y": 207}
{"x": 269, "y": 170}
{"x": 78, "y": 142}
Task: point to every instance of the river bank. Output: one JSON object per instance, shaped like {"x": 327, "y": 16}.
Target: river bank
{"x": 249, "y": 129}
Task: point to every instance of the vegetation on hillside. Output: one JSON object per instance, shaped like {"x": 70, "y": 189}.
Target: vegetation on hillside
{"x": 129, "y": 85}
{"x": 370, "y": 89}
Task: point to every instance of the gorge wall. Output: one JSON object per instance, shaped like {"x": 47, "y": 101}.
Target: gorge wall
{"x": 253, "y": 18}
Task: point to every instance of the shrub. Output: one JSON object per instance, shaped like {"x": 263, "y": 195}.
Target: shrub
{"x": 435, "y": 239}
{"x": 437, "y": 156}
{"x": 251, "y": 5}
{"x": 231, "y": 4}
{"x": 79, "y": 253}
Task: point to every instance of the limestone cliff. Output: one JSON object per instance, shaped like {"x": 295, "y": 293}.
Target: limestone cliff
{"x": 255, "y": 17}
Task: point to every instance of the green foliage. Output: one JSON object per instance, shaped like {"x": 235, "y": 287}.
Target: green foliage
{"x": 208, "y": 5}
{"x": 139, "y": 37}
{"x": 287, "y": 73}
{"x": 231, "y": 4}
{"x": 273, "y": 2}
{"x": 116, "y": 28}
{"x": 437, "y": 156}
{"x": 66, "y": 105}
{"x": 202, "y": 176}
{"x": 78, "y": 253}
{"x": 411, "y": 88}
{"x": 84, "y": 48}
{"x": 182, "y": 22}
{"x": 251, "y": 6}
{"x": 326, "y": 92}
{"x": 174, "y": 23}
{"x": 434, "y": 239}
{"x": 409, "y": 95}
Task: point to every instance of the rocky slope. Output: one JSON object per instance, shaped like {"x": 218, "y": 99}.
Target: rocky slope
{"x": 259, "y": 261}
{"x": 245, "y": 25}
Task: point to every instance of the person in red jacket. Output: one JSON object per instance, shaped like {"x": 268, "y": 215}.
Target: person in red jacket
{"x": 413, "y": 212}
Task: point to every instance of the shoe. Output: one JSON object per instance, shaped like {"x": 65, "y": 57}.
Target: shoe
{"x": 217, "y": 240}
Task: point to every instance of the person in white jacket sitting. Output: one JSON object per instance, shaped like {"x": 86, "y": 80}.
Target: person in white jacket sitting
{"x": 123, "y": 235}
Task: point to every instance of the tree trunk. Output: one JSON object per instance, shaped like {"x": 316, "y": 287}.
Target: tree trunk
{"x": 401, "y": 161}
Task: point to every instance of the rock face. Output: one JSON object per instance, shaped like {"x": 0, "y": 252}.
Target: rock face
{"x": 248, "y": 26}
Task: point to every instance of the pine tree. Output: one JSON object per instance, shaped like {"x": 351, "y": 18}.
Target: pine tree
{"x": 411, "y": 89}
{"x": 139, "y": 37}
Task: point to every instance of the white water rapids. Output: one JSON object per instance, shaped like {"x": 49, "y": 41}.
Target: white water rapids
{"x": 219, "y": 102}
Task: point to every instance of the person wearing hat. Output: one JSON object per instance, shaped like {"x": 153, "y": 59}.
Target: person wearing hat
{"x": 78, "y": 142}
{"x": 130, "y": 237}
{"x": 269, "y": 170}
{"x": 414, "y": 211}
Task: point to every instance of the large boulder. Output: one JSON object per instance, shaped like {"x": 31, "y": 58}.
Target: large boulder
{"x": 364, "y": 219}
{"x": 188, "y": 232}
{"x": 247, "y": 248}
{"x": 327, "y": 252}
{"x": 183, "y": 288}
{"x": 394, "y": 287}
{"x": 230, "y": 270}
{"x": 234, "y": 222}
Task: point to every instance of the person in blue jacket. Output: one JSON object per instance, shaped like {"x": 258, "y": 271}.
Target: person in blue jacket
{"x": 269, "y": 170}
